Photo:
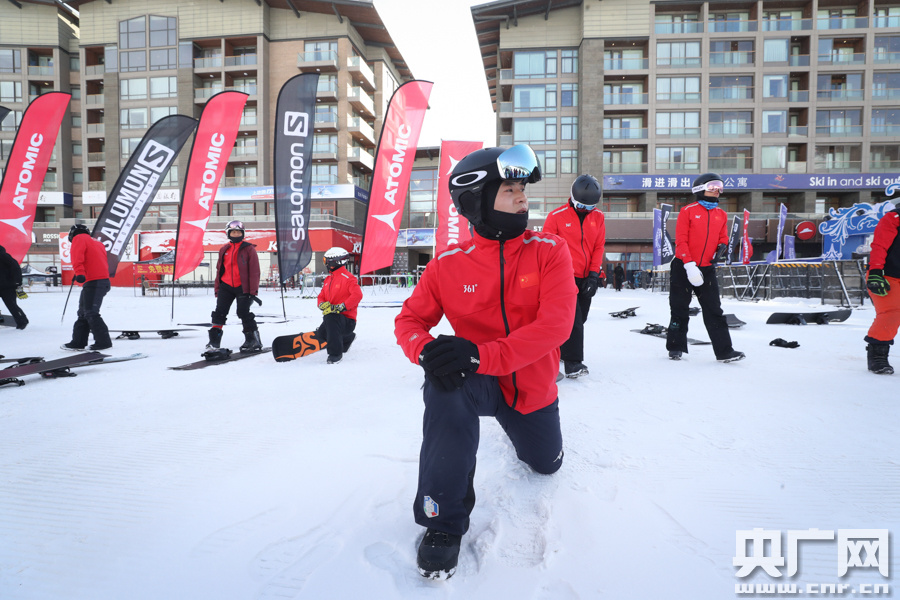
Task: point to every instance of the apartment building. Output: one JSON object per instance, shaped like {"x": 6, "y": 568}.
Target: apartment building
{"x": 129, "y": 63}
{"x": 794, "y": 102}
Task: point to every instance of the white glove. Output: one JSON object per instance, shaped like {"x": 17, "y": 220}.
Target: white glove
{"x": 693, "y": 274}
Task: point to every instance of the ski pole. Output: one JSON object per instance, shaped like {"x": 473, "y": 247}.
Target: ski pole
{"x": 62, "y": 318}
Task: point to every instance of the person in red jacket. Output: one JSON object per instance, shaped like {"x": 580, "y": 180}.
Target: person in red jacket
{"x": 91, "y": 268}
{"x": 582, "y": 225}
{"x": 338, "y": 301}
{"x": 237, "y": 278}
{"x": 883, "y": 283}
{"x": 509, "y": 296}
{"x": 701, "y": 236}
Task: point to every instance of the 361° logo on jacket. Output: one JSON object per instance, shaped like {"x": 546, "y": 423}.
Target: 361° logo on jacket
{"x": 296, "y": 123}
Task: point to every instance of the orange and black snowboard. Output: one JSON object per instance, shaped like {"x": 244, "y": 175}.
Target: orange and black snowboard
{"x": 289, "y": 347}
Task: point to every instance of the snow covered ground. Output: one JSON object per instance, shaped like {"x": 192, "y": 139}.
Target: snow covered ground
{"x": 263, "y": 480}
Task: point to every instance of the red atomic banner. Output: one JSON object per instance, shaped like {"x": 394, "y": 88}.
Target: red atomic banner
{"x": 452, "y": 229}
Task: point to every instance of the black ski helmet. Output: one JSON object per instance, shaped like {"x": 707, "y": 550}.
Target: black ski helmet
{"x": 586, "y": 190}
{"x": 702, "y": 180}
{"x": 78, "y": 228}
{"x": 479, "y": 175}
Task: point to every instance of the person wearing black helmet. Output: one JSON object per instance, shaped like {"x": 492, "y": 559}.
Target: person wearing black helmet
{"x": 237, "y": 279}
{"x": 701, "y": 237}
{"x": 338, "y": 301}
{"x": 91, "y": 268}
{"x": 509, "y": 296}
{"x": 582, "y": 225}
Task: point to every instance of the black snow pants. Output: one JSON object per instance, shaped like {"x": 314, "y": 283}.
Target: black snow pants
{"x": 680, "y": 292}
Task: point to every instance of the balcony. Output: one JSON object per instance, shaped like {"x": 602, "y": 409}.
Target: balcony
{"x": 317, "y": 62}
{"x": 731, "y": 165}
{"x": 96, "y": 157}
{"x": 239, "y": 181}
{"x": 679, "y": 62}
{"x": 243, "y": 152}
{"x": 625, "y": 64}
{"x": 736, "y": 129}
{"x": 625, "y": 98}
{"x": 40, "y": 71}
{"x": 839, "y": 130}
{"x": 838, "y": 166}
{"x": 327, "y": 90}
{"x": 209, "y": 62}
{"x": 624, "y": 167}
{"x": 839, "y": 95}
{"x": 361, "y": 131}
{"x": 835, "y": 58}
{"x": 244, "y": 60}
{"x": 731, "y": 26}
{"x": 678, "y": 97}
{"x": 685, "y": 27}
{"x": 625, "y": 133}
{"x": 325, "y": 152}
{"x": 677, "y": 132}
{"x": 95, "y": 128}
{"x": 96, "y": 186}
{"x": 361, "y": 157}
{"x": 204, "y": 94}
{"x": 506, "y": 76}
{"x": 883, "y": 93}
{"x": 883, "y": 57}
{"x": 361, "y": 101}
{"x": 885, "y": 129}
{"x": 247, "y": 88}
{"x": 884, "y": 166}
{"x": 798, "y": 131}
{"x": 505, "y": 140}
{"x": 361, "y": 73}
{"x": 93, "y": 99}
{"x": 324, "y": 179}
{"x": 731, "y": 94}
{"x": 798, "y": 167}
{"x": 325, "y": 122}
{"x": 798, "y": 96}
{"x": 842, "y": 23}
{"x": 731, "y": 58}
{"x": 786, "y": 25}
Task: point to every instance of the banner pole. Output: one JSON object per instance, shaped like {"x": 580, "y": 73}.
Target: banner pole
{"x": 283, "y": 309}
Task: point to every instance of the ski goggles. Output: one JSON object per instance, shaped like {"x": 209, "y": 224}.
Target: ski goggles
{"x": 519, "y": 162}
{"x": 716, "y": 185}
{"x": 580, "y": 206}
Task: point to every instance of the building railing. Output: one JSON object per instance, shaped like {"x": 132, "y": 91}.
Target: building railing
{"x": 889, "y": 129}
{"x": 732, "y": 165}
{"x": 96, "y": 157}
{"x": 678, "y": 61}
{"x": 839, "y": 130}
{"x": 673, "y": 132}
{"x": 732, "y": 58}
{"x": 730, "y": 94}
{"x": 684, "y": 27}
{"x": 676, "y": 167}
{"x": 625, "y": 98}
{"x": 245, "y": 150}
{"x": 731, "y": 26}
{"x": 622, "y": 64}
{"x": 884, "y": 166}
{"x": 42, "y": 71}
{"x": 204, "y": 93}
{"x": 738, "y": 129}
{"x": 327, "y": 148}
{"x": 240, "y": 61}
{"x": 318, "y": 56}
{"x": 624, "y": 167}
{"x": 93, "y": 99}
{"x": 880, "y": 57}
{"x": 839, "y": 94}
{"x": 356, "y": 63}
{"x": 625, "y": 133}
{"x": 240, "y": 181}
{"x": 97, "y": 128}
{"x": 786, "y": 24}
{"x": 798, "y": 96}
{"x": 95, "y": 70}
{"x": 357, "y": 123}
{"x": 798, "y": 130}
{"x": 882, "y": 93}
{"x": 208, "y": 62}
{"x": 96, "y": 186}
{"x": 838, "y": 166}
{"x": 798, "y": 60}
{"x": 835, "y": 58}
{"x": 326, "y": 118}
{"x": 842, "y": 22}
{"x": 678, "y": 97}
{"x": 357, "y": 94}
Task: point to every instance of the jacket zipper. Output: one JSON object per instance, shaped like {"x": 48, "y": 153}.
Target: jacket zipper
{"x": 505, "y": 321}
{"x": 706, "y": 241}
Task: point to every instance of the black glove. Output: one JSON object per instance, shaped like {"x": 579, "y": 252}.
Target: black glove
{"x": 79, "y": 279}
{"x": 449, "y": 354}
{"x": 876, "y": 282}
{"x": 256, "y": 299}
{"x": 338, "y": 308}
{"x": 590, "y": 284}
{"x": 448, "y": 383}
{"x": 783, "y": 343}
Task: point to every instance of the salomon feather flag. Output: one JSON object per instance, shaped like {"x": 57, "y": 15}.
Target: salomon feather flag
{"x": 452, "y": 228}
{"x": 138, "y": 183}
{"x": 666, "y": 248}
{"x": 216, "y": 133}
{"x": 295, "y": 114}
{"x": 3, "y": 112}
{"x": 26, "y": 168}
{"x": 733, "y": 238}
{"x": 393, "y": 167}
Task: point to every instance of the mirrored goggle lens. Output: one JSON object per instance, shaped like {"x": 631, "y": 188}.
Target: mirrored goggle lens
{"x": 581, "y": 206}
{"x": 716, "y": 185}
{"x": 519, "y": 162}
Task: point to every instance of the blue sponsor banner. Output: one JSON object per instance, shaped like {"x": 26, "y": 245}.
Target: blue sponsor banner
{"x": 416, "y": 238}
{"x": 657, "y": 237}
{"x": 782, "y": 217}
{"x": 317, "y": 192}
{"x": 790, "y": 252}
{"x": 682, "y": 183}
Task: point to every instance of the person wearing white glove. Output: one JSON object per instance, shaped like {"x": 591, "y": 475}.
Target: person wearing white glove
{"x": 700, "y": 232}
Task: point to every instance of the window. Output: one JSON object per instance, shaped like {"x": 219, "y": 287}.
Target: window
{"x": 527, "y": 98}
{"x": 887, "y": 49}
{"x": 135, "y": 60}
{"x": 76, "y": 92}
{"x": 318, "y": 51}
{"x": 887, "y": 16}
{"x": 326, "y": 113}
{"x": 730, "y": 158}
{"x": 836, "y": 18}
{"x": 839, "y": 86}
{"x": 158, "y": 112}
{"x": 886, "y": 85}
{"x": 568, "y": 128}
{"x": 534, "y": 64}
{"x": 324, "y": 174}
{"x": 678, "y": 158}
{"x": 624, "y": 93}
{"x": 568, "y": 161}
{"x": 133, "y": 118}
{"x": 246, "y": 174}
{"x": 245, "y": 84}
{"x": 241, "y": 209}
{"x": 129, "y": 145}
{"x": 678, "y": 54}
{"x": 730, "y": 22}
{"x": 569, "y": 61}
{"x": 776, "y": 50}
{"x": 838, "y": 158}
{"x": 76, "y": 149}
{"x": 162, "y": 31}
{"x": 775, "y": 86}
{"x": 568, "y": 95}
{"x": 132, "y": 33}
{"x": 423, "y": 195}
{"x": 689, "y": 23}
{"x": 782, "y": 20}
{"x": 163, "y": 87}
{"x": 10, "y": 61}
{"x": 678, "y": 124}
{"x": 76, "y": 121}
{"x": 624, "y": 128}
{"x": 166, "y": 58}
{"x": 678, "y": 89}
{"x": 77, "y": 177}
{"x": 730, "y": 88}
{"x": 731, "y": 122}
{"x": 171, "y": 177}
{"x": 547, "y": 159}
{"x": 74, "y": 63}
{"x": 774, "y": 157}
{"x": 885, "y": 121}
{"x": 774, "y": 121}
{"x": 133, "y": 89}
{"x": 884, "y": 158}
{"x": 323, "y": 143}
{"x": 5, "y": 148}
{"x": 732, "y": 52}
{"x": 626, "y": 58}
{"x": 838, "y": 122}
{"x": 12, "y": 121}
{"x": 10, "y": 91}
{"x": 534, "y": 131}
{"x": 248, "y": 117}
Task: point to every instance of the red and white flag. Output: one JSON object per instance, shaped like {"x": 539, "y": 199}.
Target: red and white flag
{"x": 213, "y": 143}
{"x": 452, "y": 228}
{"x": 393, "y": 167}
{"x": 26, "y": 169}
{"x": 746, "y": 250}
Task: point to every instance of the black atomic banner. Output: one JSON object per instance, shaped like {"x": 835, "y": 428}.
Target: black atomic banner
{"x": 294, "y": 120}
{"x": 3, "y": 112}
{"x": 130, "y": 197}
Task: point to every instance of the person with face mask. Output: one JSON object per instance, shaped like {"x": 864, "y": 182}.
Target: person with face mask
{"x": 509, "y": 296}
{"x": 237, "y": 279}
{"x": 582, "y": 225}
{"x": 701, "y": 237}
{"x": 338, "y": 301}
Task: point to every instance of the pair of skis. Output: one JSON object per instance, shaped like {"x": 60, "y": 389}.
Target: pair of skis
{"x": 60, "y": 367}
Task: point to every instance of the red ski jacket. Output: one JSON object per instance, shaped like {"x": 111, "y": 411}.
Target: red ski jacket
{"x": 89, "y": 258}
{"x": 586, "y": 240}
{"x": 886, "y": 245}
{"x": 341, "y": 287}
{"x": 515, "y": 300}
{"x": 247, "y": 263}
{"x": 698, "y": 232}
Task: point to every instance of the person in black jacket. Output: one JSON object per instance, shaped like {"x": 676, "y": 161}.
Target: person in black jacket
{"x": 619, "y": 277}
{"x": 10, "y": 286}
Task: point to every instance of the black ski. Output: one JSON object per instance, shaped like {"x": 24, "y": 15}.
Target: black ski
{"x": 225, "y": 358}
{"x": 23, "y": 360}
{"x": 60, "y": 366}
{"x": 803, "y": 318}
{"x": 660, "y": 332}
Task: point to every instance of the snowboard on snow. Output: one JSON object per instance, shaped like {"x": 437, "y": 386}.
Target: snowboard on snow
{"x": 733, "y": 322}
{"x": 624, "y": 314}
{"x": 290, "y": 347}
{"x": 804, "y": 318}
{"x": 660, "y": 332}
{"x": 135, "y": 334}
{"x": 60, "y": 367}
{"x": 225, "y": 355}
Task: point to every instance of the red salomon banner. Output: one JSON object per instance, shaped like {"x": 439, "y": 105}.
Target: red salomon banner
{"x": 213, "y": 143}
{"x": 393, "y": 167}
{"x": 452, "y": 229}
{"x": 746, "y": 250}
{"x": 26, "y": 168}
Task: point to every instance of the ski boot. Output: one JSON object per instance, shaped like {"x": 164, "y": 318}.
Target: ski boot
{"x": 333, "y": 360}
{"x": 574, "y": 369}
{"x": 675, "y": 354}
{"x": 731, "y": 356}
{"x": 215, "y": 338}
{"x": 877, "y": 355}
{"x": 438, "y": 554}
{"x": 251, "y": 342}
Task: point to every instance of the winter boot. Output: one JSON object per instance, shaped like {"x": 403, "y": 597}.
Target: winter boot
{"x": 251, "y": 342}
{"x": 72, "y": 346}
{"x": 215, "y": 338}
{"x": 731, "y": 356}
{"x": 438, "y": 554}
{"x": 333, "y": 360}
{"x": 675, "y": 354}
{"x": 574, "y": 369}
{"x": 878, "y": 359}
